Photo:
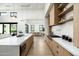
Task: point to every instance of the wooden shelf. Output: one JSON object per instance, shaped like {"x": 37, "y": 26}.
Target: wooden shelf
{"x": 61, "y": 6}
{"x": 60, "y": 23}
{"x": 66, "y": 11}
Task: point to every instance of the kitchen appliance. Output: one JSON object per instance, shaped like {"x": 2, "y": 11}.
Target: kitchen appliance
{"x": 67, "y": 38}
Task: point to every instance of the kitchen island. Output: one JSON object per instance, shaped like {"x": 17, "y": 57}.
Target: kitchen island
{"x": 16, "y": 46}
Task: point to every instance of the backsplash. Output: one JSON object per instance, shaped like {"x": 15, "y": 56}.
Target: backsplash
{"x": 65, "y": 29}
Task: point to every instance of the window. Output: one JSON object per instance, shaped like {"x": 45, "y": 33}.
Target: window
{"x": 1, "y": 28}
{"x": 27, "y": 28}
{"x": 13, "y": 14}
{"x": 8, "y": 28}
{"x": 41, "y": 28}
{"x": 3, "y": 13}
{"x": 13, "y": 28}
{"x": 32, "y": 28}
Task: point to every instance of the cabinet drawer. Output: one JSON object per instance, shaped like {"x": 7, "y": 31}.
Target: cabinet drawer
{"x": 57, "y": 49}
{"x": 60, "y": 51}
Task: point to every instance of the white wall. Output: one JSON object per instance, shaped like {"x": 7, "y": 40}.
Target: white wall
{"x": 35, "y": 22}
{"x": 8, "y": 19}
{"x": 46, "y": 8}
{"x": 30, "y": 17}
{"x": 30, "y": 14}
{"x": 46, "y": 26}
{"x": 36, "y": 18}
{"x": 46, "y": 20}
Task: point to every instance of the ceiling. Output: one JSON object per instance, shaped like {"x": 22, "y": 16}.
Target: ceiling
{"x": 20, "y": 6}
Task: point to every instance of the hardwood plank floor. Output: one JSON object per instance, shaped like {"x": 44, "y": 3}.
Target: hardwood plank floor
{"x": 39, "y": 48}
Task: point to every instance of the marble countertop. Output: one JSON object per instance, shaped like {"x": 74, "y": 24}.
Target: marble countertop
{"x": 13, "y": 40}
{"x": 68, "y": 46}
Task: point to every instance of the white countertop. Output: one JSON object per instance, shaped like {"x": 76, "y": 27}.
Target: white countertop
{"x": 13, "y": 40}
{"x": 68, "y": 46}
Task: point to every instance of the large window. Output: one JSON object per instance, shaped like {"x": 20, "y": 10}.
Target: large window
{"x": 8, "y": 28}
{"x": 41, "y": 28}
{"x": 3, "y": 13}
{"x": 32, "y": 28}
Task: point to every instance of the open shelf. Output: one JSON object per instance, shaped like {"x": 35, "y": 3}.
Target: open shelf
{"x": 66, "y": 11}
{"x": 61, "y": 6}
{"x": 60, "y": 23}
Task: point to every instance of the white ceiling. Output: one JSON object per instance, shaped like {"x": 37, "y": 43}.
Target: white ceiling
{"x": 20, "y": 6}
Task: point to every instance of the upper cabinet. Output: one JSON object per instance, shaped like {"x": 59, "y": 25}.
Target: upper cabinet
{"x": 53, "y": 14}
{"x": 58, "y": 11}
{"x": 58, "y": 14}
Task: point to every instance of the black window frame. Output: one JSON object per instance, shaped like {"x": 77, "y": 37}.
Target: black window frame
{"x": 41, "y": 26}
{"x": 32, "y": 28}
{"x": 9, "y": 27}
{"x": 13, "y": 14}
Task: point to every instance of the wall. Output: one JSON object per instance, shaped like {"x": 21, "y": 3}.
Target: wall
{"x": 30, "y": 14}
{"x": 46, "y": 8}
{"x": 46, "y": 26}
{"x": 30, "y": 17}
{"x": 36, "y": 18}
{"x": 46, "y": 20}
{"x": 35, "y": 22}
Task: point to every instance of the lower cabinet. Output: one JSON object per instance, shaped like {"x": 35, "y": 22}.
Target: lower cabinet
{"x": 25, "y": 47}
{"x": 56, "y": 49}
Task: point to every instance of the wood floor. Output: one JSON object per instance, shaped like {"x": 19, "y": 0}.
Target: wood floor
{"x": 39, "y": 48}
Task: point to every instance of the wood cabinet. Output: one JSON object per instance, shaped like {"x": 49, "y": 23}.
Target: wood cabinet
{"x": 29, "y": 43}
{"x": 56, "y": 14}
{"x": 49, "y": 43}
{"x": 25, "y": 46}
{"x": 76, "y": 27}
{"x": 54, "y": 19}
{"x": 66, "y": 53}
{"x": 60, "y": 51}
{"x": 57, "y": 49}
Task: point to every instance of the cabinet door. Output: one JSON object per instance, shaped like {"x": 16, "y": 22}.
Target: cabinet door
{"x": 28, "y": 44}
{"x": 55, "y": 52}
{"x": 54, "y": 19}
{"x": 60, "y": 51}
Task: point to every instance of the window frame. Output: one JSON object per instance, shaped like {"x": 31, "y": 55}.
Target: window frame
{"x": 9, "y": 27}
{"x": 32, "y": 27}
{"x": 13, "y": 14}
{"x": 41, "y": 26}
